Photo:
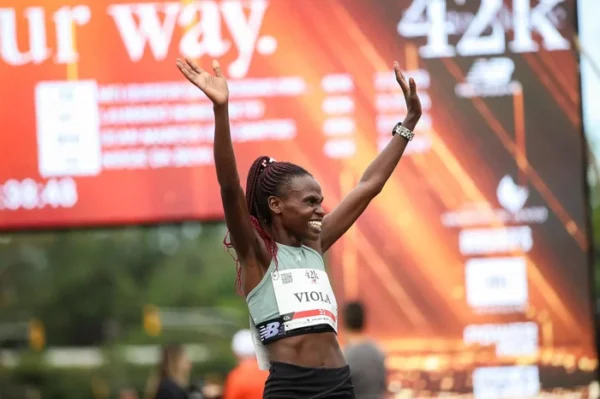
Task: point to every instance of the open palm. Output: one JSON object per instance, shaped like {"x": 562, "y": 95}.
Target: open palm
{"x": 409, "y": 89}
{"x": 215, "y": 87}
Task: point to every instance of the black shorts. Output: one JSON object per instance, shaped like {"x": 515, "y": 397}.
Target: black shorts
{"x": 296, "y": 382}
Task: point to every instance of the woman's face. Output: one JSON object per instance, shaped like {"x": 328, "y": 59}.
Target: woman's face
{"x": 183, "y": 365}
{"x": 301, "y": 208}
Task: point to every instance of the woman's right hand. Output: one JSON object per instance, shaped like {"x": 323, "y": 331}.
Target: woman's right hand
{"x": 215, "y": 87}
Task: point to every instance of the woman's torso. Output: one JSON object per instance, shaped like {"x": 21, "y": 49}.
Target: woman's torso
{"x": 308, "y": 350}
{"x": 295, "y": 311}
{"x": 169, "y": 389}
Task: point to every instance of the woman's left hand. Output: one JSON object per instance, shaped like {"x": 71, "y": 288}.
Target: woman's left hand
{"x": 409, "y": 88}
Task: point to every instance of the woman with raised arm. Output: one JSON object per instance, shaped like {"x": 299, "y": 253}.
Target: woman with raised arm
{"x": 279, "y": 232}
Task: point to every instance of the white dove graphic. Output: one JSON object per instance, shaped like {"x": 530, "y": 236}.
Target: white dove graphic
{"x": 510, "y": 195}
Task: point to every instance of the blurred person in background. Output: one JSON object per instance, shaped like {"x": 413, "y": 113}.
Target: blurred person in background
{"x": 173, "y": 374}
{"x": 365, "y": 358}
{"x": 246, "y": 380}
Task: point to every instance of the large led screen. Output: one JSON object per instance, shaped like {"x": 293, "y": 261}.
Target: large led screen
{"x": 472, "y": 262}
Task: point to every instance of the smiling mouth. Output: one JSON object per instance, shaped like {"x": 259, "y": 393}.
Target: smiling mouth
{"x": 316, "y": 224}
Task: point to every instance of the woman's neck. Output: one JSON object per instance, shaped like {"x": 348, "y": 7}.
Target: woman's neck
{"x": 282, "y": 237}
{"x": 180, "y": 380}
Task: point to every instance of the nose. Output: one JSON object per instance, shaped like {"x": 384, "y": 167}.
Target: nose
{"x": 319, "y": 211}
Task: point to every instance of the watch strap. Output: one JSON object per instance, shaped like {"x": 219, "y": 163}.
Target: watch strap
{"x": 403, "y": 131}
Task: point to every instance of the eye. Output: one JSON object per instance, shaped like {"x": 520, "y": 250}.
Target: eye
{"x": 312, "y": 200}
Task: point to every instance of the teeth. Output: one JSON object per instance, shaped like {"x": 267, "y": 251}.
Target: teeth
{"x": 315, "y": 224}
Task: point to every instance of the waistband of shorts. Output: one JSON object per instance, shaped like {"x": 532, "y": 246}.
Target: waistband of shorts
{"x": 294, "y": 367}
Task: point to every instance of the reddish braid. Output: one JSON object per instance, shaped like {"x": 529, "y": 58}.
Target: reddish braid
{"x": 266, "y": 178}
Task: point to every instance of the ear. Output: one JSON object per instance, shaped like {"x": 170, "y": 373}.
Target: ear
{"x": 275, "y": 205}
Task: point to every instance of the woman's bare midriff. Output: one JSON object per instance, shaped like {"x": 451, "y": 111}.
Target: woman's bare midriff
{"x": 308, "y": 350}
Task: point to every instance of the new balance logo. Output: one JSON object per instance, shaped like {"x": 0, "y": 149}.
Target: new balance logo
{"x": 493, "y": 71}
{"x": 269, "y": 330}
{"x": 489, "y": 78}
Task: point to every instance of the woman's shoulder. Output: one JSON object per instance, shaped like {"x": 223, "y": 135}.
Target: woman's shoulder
{"x": 313, "y": 252}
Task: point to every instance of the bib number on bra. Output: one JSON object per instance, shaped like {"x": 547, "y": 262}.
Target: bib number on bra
{"x": 304, "y": 298}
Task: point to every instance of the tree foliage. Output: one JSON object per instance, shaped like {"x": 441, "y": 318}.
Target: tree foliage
{"x": 89, "y": 288}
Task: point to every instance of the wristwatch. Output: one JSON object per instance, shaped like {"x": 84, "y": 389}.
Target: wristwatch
{"x": 402, "y": 131}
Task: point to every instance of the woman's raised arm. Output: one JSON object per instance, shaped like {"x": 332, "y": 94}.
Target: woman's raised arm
{"x": 237, "y": 217}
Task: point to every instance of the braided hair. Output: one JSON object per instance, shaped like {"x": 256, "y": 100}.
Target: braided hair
{"x": 266, "y": 178}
